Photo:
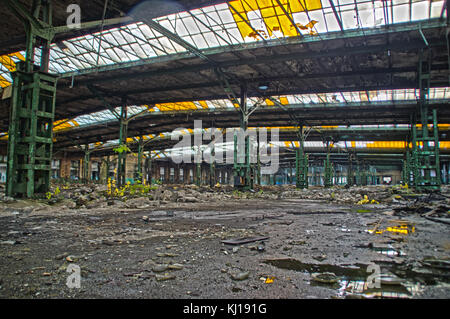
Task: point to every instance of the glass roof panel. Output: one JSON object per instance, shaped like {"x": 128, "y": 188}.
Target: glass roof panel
{"x": 238, "y": 21}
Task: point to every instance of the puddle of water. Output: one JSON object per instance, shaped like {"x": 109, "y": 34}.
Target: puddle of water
{"x": 352, "y": 280}
{"x": 389, "y": 251}
{"x": 349, "y": 287}
{"x": 293, "y": 264}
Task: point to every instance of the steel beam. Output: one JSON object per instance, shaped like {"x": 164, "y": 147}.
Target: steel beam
{"x": 30, "y": 143}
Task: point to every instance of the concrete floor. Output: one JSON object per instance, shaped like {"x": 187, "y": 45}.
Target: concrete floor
{"x": 137, "y": 253}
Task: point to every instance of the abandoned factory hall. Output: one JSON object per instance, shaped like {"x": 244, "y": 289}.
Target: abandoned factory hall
{"x": 227, "y": 149}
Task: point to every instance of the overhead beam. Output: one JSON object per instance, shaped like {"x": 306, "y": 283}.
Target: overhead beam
{"x": 172, "y": 36}
{"x": 407, "y": 27}
{"x": 209, "y": 84}
{"x": 413, "y": 45}
{"x": 336, "y": 15}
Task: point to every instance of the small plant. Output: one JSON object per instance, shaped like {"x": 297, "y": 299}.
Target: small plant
{"x": 121, "y": 148}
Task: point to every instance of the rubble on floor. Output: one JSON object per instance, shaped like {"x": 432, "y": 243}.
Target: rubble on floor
{"x": 275, "y": 242}
{"x": 401, "y": 200}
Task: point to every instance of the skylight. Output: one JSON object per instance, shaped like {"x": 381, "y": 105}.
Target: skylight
{"x": 235, "y": 22}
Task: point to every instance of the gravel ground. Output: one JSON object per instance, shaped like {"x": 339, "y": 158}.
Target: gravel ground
{"x": 175, "y": 251}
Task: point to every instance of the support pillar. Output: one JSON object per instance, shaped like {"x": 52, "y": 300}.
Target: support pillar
{"x": 121, "y": 169}
{"x": 86, "y": 162}
{"x": 243, "y": 169}
{"x": 427, "y": 139}
{"x": 350, "y": 173}
{"x": 148, "y": 168}
{"x": 30, "y": 135}
{"x": 328, "y": 167}
{"x": 198, "y": 170}
{"x": 139, "y": 173}
{"x": 212, "y": 167}
{"x": 301, "y": 162}
{"x": 258, "y": 165}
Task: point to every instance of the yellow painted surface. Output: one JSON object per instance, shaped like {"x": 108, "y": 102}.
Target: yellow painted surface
{"x": 4, "y": 82}
{"x": 284, "y": 100}
{"x": 64, "y": 125}
{"x": 8, "y": 62}
{"x": 203, "y": 104}
{"x": 180, "y": 106}
{"x": 386, "y": 144}
{"x": 273, "y": 15}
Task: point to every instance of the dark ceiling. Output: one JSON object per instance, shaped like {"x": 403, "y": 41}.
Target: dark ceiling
{"x": 13, "y": 38}
{"x": 386, "y": 58}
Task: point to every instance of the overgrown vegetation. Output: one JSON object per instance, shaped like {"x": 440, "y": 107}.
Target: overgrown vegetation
{"x": 128, "y": 189}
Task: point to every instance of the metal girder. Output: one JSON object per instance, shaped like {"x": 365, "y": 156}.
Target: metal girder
{"x": 243, "y": 169}
{"x": 140, "y": 175}
{"x": 173, "y": 37}
{"x": 40, "y": 28}
{"x": 101, "y": 95}
{"x": 290, "y": 18}
{"x": 412, "y": 45}
{"x": 301, "y": 161}
{"x": 328, "y": 167}
{"x": 30, "y": 142}
{"x": 336, "y": 16}
{"x": 86, "y": 162}
{"x": 209, "y": 84}
{"x": 426, "y": 153}
{"x": 347, "y": 34}
{"x": 93, "y": 24}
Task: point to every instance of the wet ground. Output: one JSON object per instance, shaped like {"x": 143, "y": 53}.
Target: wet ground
{"x": 315, "y": 249}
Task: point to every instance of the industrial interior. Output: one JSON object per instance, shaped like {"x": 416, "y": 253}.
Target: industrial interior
{"x": 123, "y": 174}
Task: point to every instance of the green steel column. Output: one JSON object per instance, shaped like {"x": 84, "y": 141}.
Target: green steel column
{"x": 198, "y": 173}
{"x": 301, "y": 162}
{"x": 140, "y": 175}
{"x": 258, "y": 165}
{"x": 108, "y": 166}
{"x": 149, "y": 168}
{"x": 212, "y": 167}
{"x": 428, "y": 178}
{"x": 121, "y": 169}
{"x": 328, "y": 168}
{"x": 414, "y": 155}
{"x": 407, "y": 167}
{"x": 436, "y": 149}
{"x": 350, "y": 174}
{"x": 86, "y": 162}
{"x": 291, "y": 175}
{"x": 364, "y": 174}
{"x": 243, "y": 172}
{"x": 30, "y": 134}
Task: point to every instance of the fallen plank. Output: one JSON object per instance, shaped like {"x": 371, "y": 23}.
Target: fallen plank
{"x": 246, "y": 240}
{"x": 318, "y": 213}
{"x": 439, "y": 220}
